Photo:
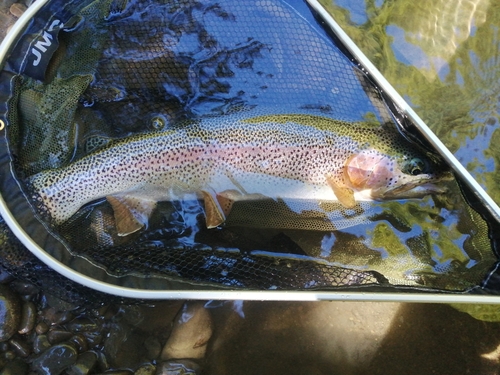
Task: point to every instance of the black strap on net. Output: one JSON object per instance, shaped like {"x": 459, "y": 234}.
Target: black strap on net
{"x": 85, "y": 73}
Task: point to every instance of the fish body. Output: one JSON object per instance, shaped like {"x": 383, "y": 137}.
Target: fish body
{"x": 222, "y": 160}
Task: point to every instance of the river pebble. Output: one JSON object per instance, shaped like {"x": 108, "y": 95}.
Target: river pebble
{"x": 41, "y": 328}
{"x": 54, "y": 316}
{"x": 117, "y": 345}
{"x": 58, "y": 305}
{"x": 23, "y": 288}
{"x": 15, "y": 367}
{"x": 100, "y": 311}
{"x": 80, "y": 342}
{"x": 28, "y": 317}
{"x": 93, "y": 338}
{"x": 10, "y": 313}
{"x": 40, "y": 344}
{"x": 17, "y": 9}
{"x": 82, "y": 324}
{"x": 192, "y": 329}
{"x": 20, "y": 347}
{"x": 55, "y": 360}
{"x": 148, "y": 369}
{"x": 57, "y": 335}
{"x": 84, "y": 364}
{"x": 178, "y": 367}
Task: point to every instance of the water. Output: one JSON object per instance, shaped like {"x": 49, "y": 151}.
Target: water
{"x": 442, "y": 57}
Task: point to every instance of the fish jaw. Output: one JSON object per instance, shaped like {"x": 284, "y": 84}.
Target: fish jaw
{"x": 414, "y": 188}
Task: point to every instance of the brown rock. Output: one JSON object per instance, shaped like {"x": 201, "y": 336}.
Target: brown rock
{"x": 192, "y": 329}
{"x": 17, "y": 9}
{"x": 10, "y": 313}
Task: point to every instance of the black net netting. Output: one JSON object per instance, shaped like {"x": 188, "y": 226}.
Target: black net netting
{"x": 165, "y": 145}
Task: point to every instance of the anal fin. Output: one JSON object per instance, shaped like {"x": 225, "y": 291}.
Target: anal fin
{"x": 131, "y": 213}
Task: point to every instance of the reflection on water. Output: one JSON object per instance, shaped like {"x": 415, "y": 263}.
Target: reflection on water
{"x": 350, "y": 338}
{"x": 442, "y": 57}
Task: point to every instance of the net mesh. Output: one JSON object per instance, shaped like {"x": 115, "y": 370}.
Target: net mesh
{"x": 123, "y": 68}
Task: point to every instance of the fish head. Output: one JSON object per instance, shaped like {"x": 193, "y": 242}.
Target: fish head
{"x": 382, "y": 176}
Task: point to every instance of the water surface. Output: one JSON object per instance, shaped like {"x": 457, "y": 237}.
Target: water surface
{"x": 442, "y": 57}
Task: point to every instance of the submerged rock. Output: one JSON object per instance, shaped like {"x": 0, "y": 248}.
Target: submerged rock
{"x": 80, "y": 342}
{"x": 23, "y": 288}
{"x": 10, "y": 313}
{"x": 57, "y": 336}
{"x": 193, "y": 328}
{"x": 84, "y": 364}
{"x": 15, "y": 367}
{"x": 41, "y": 328}
{"x": 28, "y": 317}
{"x": 82, "y": 324}
{"x": 41, "y": 343}
{"x": 148, "y": 369}
{"x": 17, "y": 9}
{"x": 178, "y": 367}
{"x": 54, "y": 316}
{"x": 20, "y": 346}
{"x": 55, "y": 360}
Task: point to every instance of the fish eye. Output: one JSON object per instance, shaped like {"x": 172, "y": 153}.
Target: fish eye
{"x": 416, "y": 166}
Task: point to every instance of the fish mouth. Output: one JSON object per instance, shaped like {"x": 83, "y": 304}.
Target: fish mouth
{"x": 406, "y": 192}
{"x": 418, "y": 189}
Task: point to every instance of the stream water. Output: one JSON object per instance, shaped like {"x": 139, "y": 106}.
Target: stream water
{"x": 442, "y": 57}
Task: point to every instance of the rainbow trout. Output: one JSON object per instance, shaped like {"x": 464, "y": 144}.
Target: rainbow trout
{"x": 223, "y": 160}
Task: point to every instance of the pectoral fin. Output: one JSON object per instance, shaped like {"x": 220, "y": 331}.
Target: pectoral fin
{"x": 344, "y": 194}
{"x": 131, "y": 213}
